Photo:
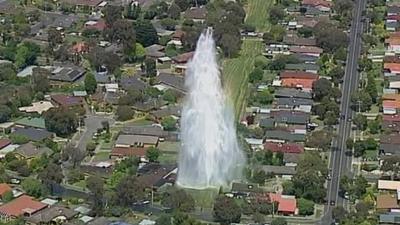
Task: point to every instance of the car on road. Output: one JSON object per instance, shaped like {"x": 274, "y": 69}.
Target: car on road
{"x": 342, "y": 116}
{"x": 349, "y": 120}
{"x": 346, "y": 196}
{"x": 333, "y": 202}
{"x": 329, "y": 177}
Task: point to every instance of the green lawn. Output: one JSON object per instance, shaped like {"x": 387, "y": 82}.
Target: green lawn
{"x": 257, "y": 13}
{"x": 168, "y": 158}
{"x": 101, "y": 156}
{"x": 236, "y": 71}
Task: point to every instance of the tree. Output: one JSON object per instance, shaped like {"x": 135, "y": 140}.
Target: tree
{"x": 310, "y": 177}
{"x": 339, "y": 213}
{"x": 129, "y": 191}
{"x": 264, "y": 97}
{"x": 50, "y": 175}
{"x": 146, "y": 34}
{"x": 320, "y": 139}
{"x": 7, "y": 72}
{"x": 361, "y": 101}
{"x": 5, "y": 113}
{"x": 306, "y": 207}
{"x": 152, "y": 154}
{"x": 111, "y": 14}
{"x": 90, "y": 83}
{"x": 133, "y": 11}
{"x": 276, "y": 14}
{"x": 150, "y": 66}
{"x": 61, "y": 121}
{"x": 226, "y": 211}
{"x": 360, "y": 121}
{"x": 337, "y": 74}
{"x": 40, "y": 79}
{"x": 230, "y": 44}
{"x": 349, "y": 143}
{"x": 390, "y": 164}
{"x": 124, "y": 113}
{"x": 54, "y": 37}
{"x": 329, "y": 37}
{"x": 177, "y": 199}
{"x": 305, "y": 32}
{"x": 26, "y": 54}
{"x": 256, "y": 75}
{"x": 74, "y": 176}
{"x": 170, "y": 96}
{"x": 279, "y": 221}
{"x": 7, "y": 197}
{"x": 374, "y": 126}
{"x": 168, "y": 123}
{"x": 168, "y": 24}
{"x": 106, "y": 126}
{"x": 371, "y": 88}
{"x": 33, "y": 187}
{"x": 96, "y": 185}
{"x": 321, "y": 88}
{"x": 183, "y": 4}
{"x": 259, "y": 177}
{"x": 90, "y": 148}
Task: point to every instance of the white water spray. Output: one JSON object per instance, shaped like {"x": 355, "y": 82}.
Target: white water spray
{"x": 210, "y": 155}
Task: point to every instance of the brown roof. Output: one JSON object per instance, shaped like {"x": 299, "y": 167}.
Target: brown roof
{"x": 21, "y": 205}
{"x": 298, "y": 75}
{"x": 4, "y": 188}
{"x": 178, "y": 35}
{"x": 66, "y": 100}
{"x": 128, "y": 152}
{"x": 386, "y": 201}
{"x": 306, "y": 49}
{"x": 47, "y": 215}
{"x": 390, "y": 139}
{"x": 4, "y": 142}
{"x": 183, "y": 58}
{"x": 198, "y": 13}
{"x": 295, "y": 40}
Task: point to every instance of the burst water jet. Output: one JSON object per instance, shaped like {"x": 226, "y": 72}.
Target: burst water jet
{"x": 210, "y": 155}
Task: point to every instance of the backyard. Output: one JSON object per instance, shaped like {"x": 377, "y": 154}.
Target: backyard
{"x": 257, "y": 14}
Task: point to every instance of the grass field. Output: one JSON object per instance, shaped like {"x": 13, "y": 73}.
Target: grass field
{"x": 257, "y": 13}
{"x": 236, "y": 71}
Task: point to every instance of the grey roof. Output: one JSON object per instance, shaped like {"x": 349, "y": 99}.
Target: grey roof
{"x": 150, "y": 104}
{"x": 312, "y": 11}
{"x": 302, "y": 67}
{"x": 155, "y": 51}
{"x": 295, "y": 40}
{"x": 133, "y": 82}
{"x": 293, "y": 101}
{"x": 33, "y": 134}
{"x": 279, "y": 170}
{"x": 48, "y": 214}
{"x": 52, "y": 19}
{"x": 392, "y": 25}
{"x": 103, "y": 78}
{"x": 133, "y": 140}
{"x": 393, "y": 9}
{"x": 168, "y": 111}
{"x": 389, "y": 148}
{"x": 292, "y": 93}
{"x": 284, "y": 135}
{"x": 291, "y": 117}
{"x": 175, "y": 81}
{"x": 100, "y": 221}
{"x": 245, "y": 188}
{"x": 305, "y": 58}
{"x": 390, "y": 217}
{"x": 291, "y": 157}
{"x": 67, "y": 74}
{"x": 29, "y": 150}
{"x": 149, "y": 130}
{"x": 267, "y": 123}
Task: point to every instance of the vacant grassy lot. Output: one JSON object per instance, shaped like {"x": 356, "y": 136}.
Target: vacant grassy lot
{"x": 257, "y": 13}
{"x": 236, "y": 71}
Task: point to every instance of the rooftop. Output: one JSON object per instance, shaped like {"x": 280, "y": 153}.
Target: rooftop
{"x": 36, "y": 122}
{"x": 386, "y": 201}
{"x": 22, "y": 205}
{"x": 33, "y": 134}
{"x": 38, "y": 107}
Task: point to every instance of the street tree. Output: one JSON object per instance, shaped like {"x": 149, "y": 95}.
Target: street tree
{"x": 306, "y": 207}
{"x": 169, "y": 123}
{"x": 90, "y": 83}
{"x": 360, "y": 121}
{"x": 40, "y": 79}
{"x": 124, "y": 113}
{"x": 96, "y": 185}
{"x": 226, "y": 210}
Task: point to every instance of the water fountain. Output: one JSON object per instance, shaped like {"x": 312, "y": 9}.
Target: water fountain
{"x": 210, "y": 155}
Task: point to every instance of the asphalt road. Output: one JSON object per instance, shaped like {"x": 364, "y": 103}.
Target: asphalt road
{"x": 340, "y": 163}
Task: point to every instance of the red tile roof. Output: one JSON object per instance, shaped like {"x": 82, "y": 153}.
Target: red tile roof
{"x": 297, "y": 83}
{"x": 391, "y": 118}
{"x": 298, "y": 74}
{"x": 393, "y": 17}
{"x": 4, "y": 188}
{"x": 391, "y": 59}
{"x": 4, "y": 142}
{"x": 66, "y": 100}
{"x": 128, "y": 152}
{"x": 391, "y": 104}
{"x": 285, "y": 205}
{"x": 392, "y": 66}
{"x": 99, "y": 25}
{"x": 20, "y": 206}
{"x": 284, "y": 147}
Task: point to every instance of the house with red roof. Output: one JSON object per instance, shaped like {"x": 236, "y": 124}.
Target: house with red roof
{"x": 66, "y": 100}
{"x": 392, "y": 67}
{"x": 23, "y": 206}
{"x": 284, "y": 147}
{"x": 298, "y": 75}
{"x": 306, "y": 50}
{"x": 4, "y": 142}
{"x": 287, "y": 205}
{"x": 321, "y": 5}
{"x": 98, "y": 25}
{"x": 180, "y": 61}
{"x": 392, "y": 43}
{"x": 391, "y": 118}
{"x": 4, "y": 188}
{"x": 80, "y": 48}
{"x": 122, "y": 152}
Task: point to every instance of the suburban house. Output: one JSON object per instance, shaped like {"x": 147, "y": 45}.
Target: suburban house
{"x": 392, "y": 68}
{"x": 287, "y": 204}
{"x": 98, "y": 25}
{"x": 286, "y": 172}
{"x": 295, "y": 40}
{"x": 67, "y": 101}
{"x": 63, "y": 75}
{"x": 386, "y": 202}
{"x": 197, "y": 14}
{"x": 123, "y": 152}
{"x": 33, "y": 134}
{"x": 29, "y": 151}
{"x": 322, "y": 5}
{"x": 179, "y": 62}
{"x": 155, "y": 51}
{"x": 83, "y": 5}
{"x": 388, "y": 185}
{"x": 151, "y": 131}
{"x": 245, "y": 189}
{"x": 284, "y": 147}
{"x": 4, "y": 143}
{"x": 307, "y": 50}
{"x": 52, "y": 215}
{"x": 392, "y": 43}
{"x": 153, "y": 175}
{"x": 37, "y": 107}
{"x": 283, "y": 136}
{"x": 389, "y": 218}
{"x": 22, "y": 206}
{"x": 35, "y": 122}
{"x": 126, "y": 141}
{"x": 312, "y": 68}
{"x": 170, "y": 81}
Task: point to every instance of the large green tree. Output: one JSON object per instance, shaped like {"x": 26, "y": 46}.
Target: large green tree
{"x": 61, "y": 121}
{"x": 146, "y": 34}
{"x": 178, "y": 199}
{"x": 226, "y": 210}
{"x": 90, "y": 83}
{"x": 129, "y": 191}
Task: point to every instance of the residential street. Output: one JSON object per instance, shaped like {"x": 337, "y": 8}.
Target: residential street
{"x": 340, "y": 163}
